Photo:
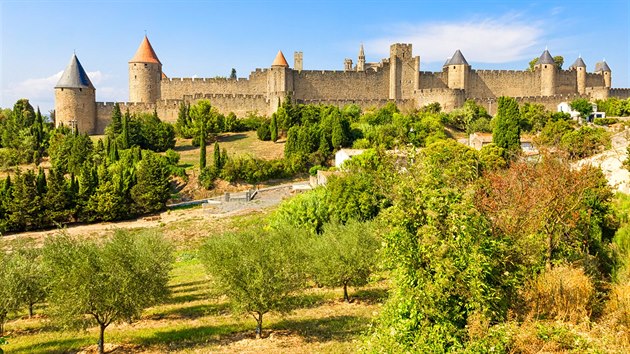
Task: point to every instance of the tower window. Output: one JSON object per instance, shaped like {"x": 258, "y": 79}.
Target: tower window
{"x": 545, "y": 66}
{"x": 145, "y": 65}
{"x": 453, "y": 66}
{"x": 135, "y": 76}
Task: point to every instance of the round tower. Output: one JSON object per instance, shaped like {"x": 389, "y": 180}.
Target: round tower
{"x": 145, "y": 74}
{"x": 580, "y": 72}
{"x": 603, "y": 69}
{"x": 75, "y": 99}
{"x": 548, "y": 74}
{"x": 280, "y": 81}
{"x": 458, "y": 71}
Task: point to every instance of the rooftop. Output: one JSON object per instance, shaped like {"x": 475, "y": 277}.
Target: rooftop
{"x": 280, "y": 60}
{"x": 145, "y": 53}
{"x": 74, "y": 76}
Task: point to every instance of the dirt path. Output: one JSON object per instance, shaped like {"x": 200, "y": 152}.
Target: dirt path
{"x": 264, "y": 199}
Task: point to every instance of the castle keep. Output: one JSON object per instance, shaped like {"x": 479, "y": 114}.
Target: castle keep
{"x": 397, "y": 78}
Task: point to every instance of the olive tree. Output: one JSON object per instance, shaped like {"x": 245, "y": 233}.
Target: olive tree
{"x": 257, "y": 269}
{"x": 27, "y": 276}
{"x": 106, "y": 282}
{"x": 345, "y": 255}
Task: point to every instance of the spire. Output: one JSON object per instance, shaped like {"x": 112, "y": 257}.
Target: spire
{"x": 457, "y": 59}
{"x": 361, "y": 52}
{"x": 280, "y": 60}
{"x": 145, "y": 53}
{"x": 579, "y": 63}
{"x": 546, "y": 58}
{"x": 74, "y": 76}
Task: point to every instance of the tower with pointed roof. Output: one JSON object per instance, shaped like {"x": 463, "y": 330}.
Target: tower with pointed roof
{"x": 458, "y": 71}
{"x": 548, "y": 74}
{"x": 580, "y": 72}
{"x": 280, "y": 82}
{"x": 361, "y": 59}
{"x": 75, "y": 99}
{"x": 145, "y": 74}
{"x": 603, "y": 69}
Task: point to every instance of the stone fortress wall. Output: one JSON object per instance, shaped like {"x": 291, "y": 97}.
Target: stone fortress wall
{"x": 397, "y": 78}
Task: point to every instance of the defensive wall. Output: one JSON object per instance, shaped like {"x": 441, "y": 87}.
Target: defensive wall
{"x": 340, "y": 85}
{"x": 622, "y": 93}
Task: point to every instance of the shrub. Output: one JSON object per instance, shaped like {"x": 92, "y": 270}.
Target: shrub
{"x": 605, "y": 121}
{"x": 618, "y": 307}
{"x": 563, "y": 293}
{"x": 263, "y": 132}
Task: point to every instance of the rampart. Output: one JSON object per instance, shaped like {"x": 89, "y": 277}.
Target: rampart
{"x": 404, "y": 104}
{"x": 550, "y": 102}
{"x": 622, "y": 93}
{"x": 496, "y": 83}
{"x": 340, "y": 85}
{"x": 176, "y": 88}
{"x": 431, "y": 80}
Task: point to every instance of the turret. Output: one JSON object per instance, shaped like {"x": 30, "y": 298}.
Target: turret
{"x": 458, "y": 71}
{"x": 347, "y": 64}
{"x": 145, "y": 74}
{"x": 280, "y": 81}
{"x": 75, "y": 99}
{"x": 361, "y": 61}
{"x": 298, "y": 61}
{"x": 603, "y": 69}
{"x": 548, "y": 74}
{"x": 580, "y": 71}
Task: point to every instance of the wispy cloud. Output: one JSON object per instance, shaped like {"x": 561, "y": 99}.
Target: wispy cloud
{"x": 491, "y": 40}
{"x": 40, "y": 91}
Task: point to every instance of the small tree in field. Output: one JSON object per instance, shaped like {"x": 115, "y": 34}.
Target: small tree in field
{"x": 106, "y": 282}
{"x": 256, "y": 269}
{"x": 583, "y": 106}
{"x": 345, "y": 255}
{"x": 28, "y": 276}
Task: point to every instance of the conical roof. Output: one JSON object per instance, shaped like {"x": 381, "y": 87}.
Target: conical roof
{"x": 602, "y": 66}
{"x": 74, "y": 76}
{"x": 145, "y": 53}
{"x": 546, "y": 58}
{"x": 280, "y": 60}
{"x": 361, "y": 52}
{"x": 457, "y": 59}
{"x": 579, "y": 63}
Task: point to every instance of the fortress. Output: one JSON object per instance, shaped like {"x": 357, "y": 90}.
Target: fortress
{"x": 397, "y": 78}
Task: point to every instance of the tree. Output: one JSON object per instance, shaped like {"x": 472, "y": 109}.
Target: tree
{"x": 152, "y": 188}
{"x": 57, "y": 200}
{"x": 345, "y": 255}
{"x": 583, "y": 106}
{"x": 29, "y": 279}
{"x": 507, "y": 133}
{"x": 217, "y": 158}
{"x": 116, "y": 124}
{"x": 257, "y": 269}
{"x": 106, "y": 282}
{"x": 273, "y": 127}
{"x": 9, "y": 301}
{"x": 24, "y": 207}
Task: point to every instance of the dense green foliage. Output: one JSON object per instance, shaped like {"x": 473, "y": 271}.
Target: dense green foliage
{"x": 507, "y": 132}
{"x": 106, "y": 282}
{"x": 558, "y": 59}
{"x": 614, "y": 107}
{"x": 144, "y": 130}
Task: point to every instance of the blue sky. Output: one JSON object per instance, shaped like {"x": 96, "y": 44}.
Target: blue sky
{"x": 208, "y": 38}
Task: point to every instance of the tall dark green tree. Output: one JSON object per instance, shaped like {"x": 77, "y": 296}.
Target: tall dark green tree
{"x": 57, "y": 201}
{"x": 25, "y": 206}
{"x": 218, "y": 162}
{"x": 125, "y": 130}
{"x": 507, "y": 132}
{"x": 274, "y": 128}
{"x": 116, "y": 124}
{"x": 152, "y": 188}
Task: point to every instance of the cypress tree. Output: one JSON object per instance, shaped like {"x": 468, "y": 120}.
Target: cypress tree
{"x": 217, "y": 156}
{"x": 40, "y": 182}
{"x": 125, "y": 130}
{"x": 507, "y": 133}
{"x": 116, "y": 123}
{"x": 324, "y": 147}
{"x": 274, "y": 128}
{"x": 224, "y": 157}
{"x": 202, "y": 147}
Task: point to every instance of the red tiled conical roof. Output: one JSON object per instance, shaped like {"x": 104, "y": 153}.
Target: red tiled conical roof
{"x": 280, "y": 60}
{"x": 145, "y": 53}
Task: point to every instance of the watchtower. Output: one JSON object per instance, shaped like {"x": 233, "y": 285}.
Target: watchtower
{"x": 580, "y": 72}
{"x": 75, "y": 99}
{"x": 145, "y": 74}
{"x": 548, "y": 74}
{"x": 602, "y": 68}
{"x": 280, "y": 81}
{"x": 458, "y": 71}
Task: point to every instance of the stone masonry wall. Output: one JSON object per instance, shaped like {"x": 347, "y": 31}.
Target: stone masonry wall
{"x": 341, "y": 85}
{"x": 176, "y": 88}
{"x": 431, "y": 80}
{"x": 496, "y": 83}
{"x": 622, "y": 93}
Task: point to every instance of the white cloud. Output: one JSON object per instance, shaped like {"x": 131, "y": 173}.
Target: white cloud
{"x": 498, "y": 40}
{"x": 41, "y": 91}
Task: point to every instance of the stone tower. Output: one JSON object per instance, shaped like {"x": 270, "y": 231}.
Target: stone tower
{"x": 347, "y": 64}
{"x": 603, "y": 69}
{"x": 280, "y": 81}
{"x": 361, "y": 61}
{"x": 145, "y": 74}
{"x": 298, "y": 61}
{"x": 548, "y": 74}
{"x": 404, "y": 72}
{"x": 458, "y": 71}
{"x": 75, "y": 99}
{"x": 580, "y": 72}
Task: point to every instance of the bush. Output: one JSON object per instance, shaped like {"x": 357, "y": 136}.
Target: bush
{"x": 605, "y": 121}
{"x": 563, "y": 293}
{"x": 264, "y": 132}
{"x": 618, "y": 307}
